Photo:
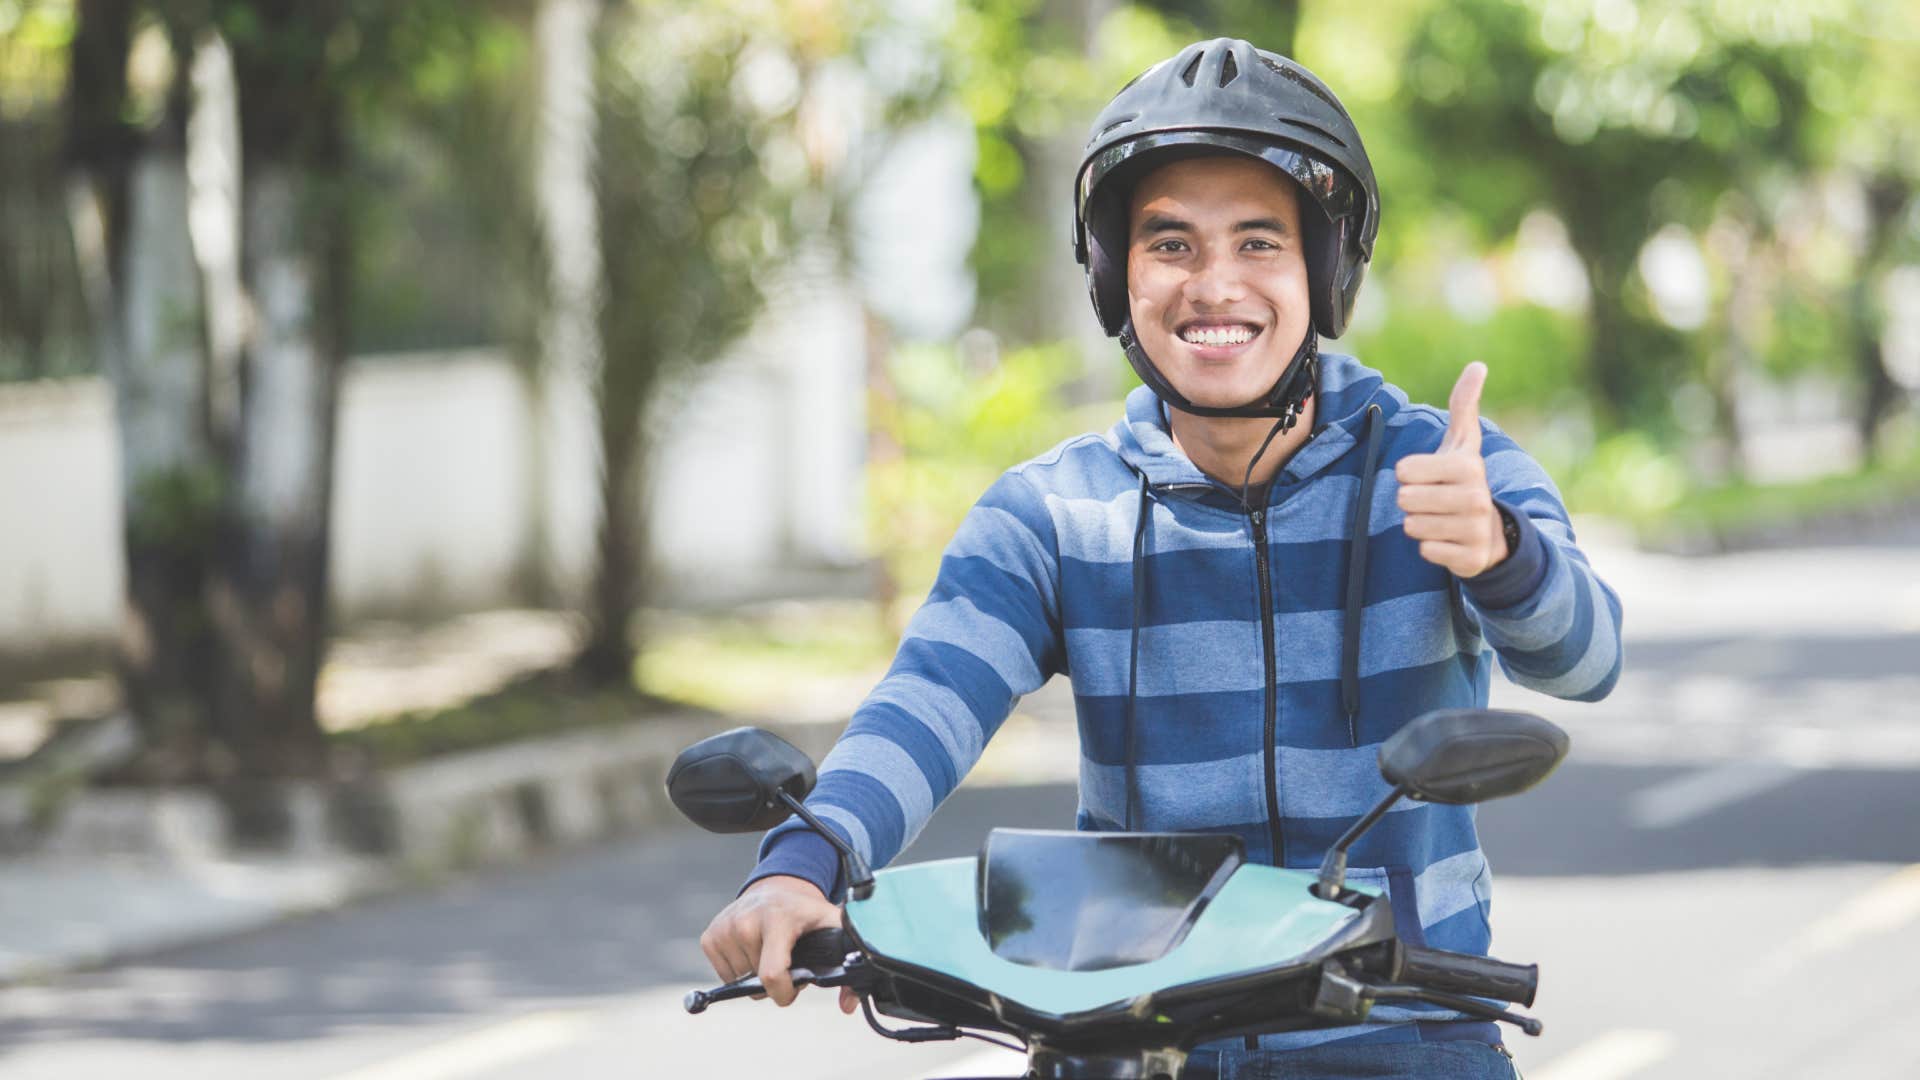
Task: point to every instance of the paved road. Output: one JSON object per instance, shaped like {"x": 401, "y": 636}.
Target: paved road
{"x": 1724, "y": 881}
{"x": 1772, "y": 936}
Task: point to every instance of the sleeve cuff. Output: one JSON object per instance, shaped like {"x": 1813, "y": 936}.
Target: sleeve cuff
{"x": 1516, "y": 577}
{"x": 804, "y": 854}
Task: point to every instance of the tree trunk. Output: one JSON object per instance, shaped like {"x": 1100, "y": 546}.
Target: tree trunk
{"x": 170, "y": 486}
{"x": 586, "y": 396}
{"x": 129, "y": 211}
{"x": 270, "y": 596}
{"x": 1888, "y": 195}
{"x": 566, "y": 432}
{"x": 272, "y": 590}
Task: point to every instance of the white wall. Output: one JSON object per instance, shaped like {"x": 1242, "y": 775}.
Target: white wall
{"x": 758, "y": 473}
{"x": 429, "y": 485}
{"x": 60, "y": 571}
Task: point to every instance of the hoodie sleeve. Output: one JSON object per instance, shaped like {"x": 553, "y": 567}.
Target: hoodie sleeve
{"x": 988, "y": 634}
{"x": 1553, "y": 622}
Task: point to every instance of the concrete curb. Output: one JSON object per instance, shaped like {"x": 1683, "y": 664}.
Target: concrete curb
{"x": 114, "y": 874}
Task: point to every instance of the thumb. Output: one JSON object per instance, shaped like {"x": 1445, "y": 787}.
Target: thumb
{"x": 1463, "y": 421}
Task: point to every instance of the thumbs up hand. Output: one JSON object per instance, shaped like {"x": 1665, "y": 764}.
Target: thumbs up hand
{"x": 1449, "y": 508}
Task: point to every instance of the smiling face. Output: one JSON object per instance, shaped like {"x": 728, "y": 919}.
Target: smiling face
{"x": 1216, "y": 276}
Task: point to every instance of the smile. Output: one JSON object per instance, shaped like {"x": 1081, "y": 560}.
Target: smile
{"x": 1217, "y": 335}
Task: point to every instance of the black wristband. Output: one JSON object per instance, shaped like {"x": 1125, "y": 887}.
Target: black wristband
{"x": 1508, "y": 528}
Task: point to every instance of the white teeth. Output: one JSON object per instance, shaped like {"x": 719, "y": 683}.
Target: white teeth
{"x": 1217, "y": 335}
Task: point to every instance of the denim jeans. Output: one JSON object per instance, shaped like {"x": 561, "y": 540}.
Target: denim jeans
{"x": 1451, "y": 1060}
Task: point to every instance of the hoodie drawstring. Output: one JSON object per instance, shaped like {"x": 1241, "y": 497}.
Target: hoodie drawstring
{"x": 1356, "y": 600}
{"x": 1357, "y": 579}
{"x": 1133, "y": 657}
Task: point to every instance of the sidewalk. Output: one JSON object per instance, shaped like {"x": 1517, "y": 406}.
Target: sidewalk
{"x": 65, "y": 913}
{"x": 1724, "y": 645}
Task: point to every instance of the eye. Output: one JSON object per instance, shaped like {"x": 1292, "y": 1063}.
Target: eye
{"x": 1169, "y": 244}
{"x": 1261, "y": 244}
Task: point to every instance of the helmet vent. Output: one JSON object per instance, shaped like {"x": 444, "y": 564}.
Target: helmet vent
{"x": 1228, "y": 70}
{"x": 1193, "y": 69}
{"x": 1129, "y": 118}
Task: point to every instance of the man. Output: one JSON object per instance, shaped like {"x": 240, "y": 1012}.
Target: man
{"x": 1267, "y": 567}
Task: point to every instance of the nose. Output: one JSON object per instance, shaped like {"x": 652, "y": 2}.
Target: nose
{"x": 1215, "y": 282}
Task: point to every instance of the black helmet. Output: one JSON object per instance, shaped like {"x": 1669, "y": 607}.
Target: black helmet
{"x": 1227, "y": 95}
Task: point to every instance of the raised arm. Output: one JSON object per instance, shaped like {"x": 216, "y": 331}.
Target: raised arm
{"x": 1553, "y": 622}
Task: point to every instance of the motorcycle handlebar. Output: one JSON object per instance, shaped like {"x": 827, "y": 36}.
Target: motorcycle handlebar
{"x": 817, "y": 952}
{"x": 822, "y": 950}
{"x": 1464, "y": 973}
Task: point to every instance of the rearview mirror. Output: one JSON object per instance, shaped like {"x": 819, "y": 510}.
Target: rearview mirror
{"x": 732, "y": 782}
{"x": 1471, "y": 755}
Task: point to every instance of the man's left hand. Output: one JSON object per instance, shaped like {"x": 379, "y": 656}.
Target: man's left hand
{"x": 1449, "y": 508}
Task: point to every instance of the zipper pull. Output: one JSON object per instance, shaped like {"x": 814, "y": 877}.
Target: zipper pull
{"x": 1258, "y": 517}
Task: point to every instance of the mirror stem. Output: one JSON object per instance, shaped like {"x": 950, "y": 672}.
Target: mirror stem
{"x": 859, "y": 878}
{"x": 1333, "y": 869}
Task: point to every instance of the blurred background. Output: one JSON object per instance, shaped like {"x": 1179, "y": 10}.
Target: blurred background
{"x": 417, "y": 421}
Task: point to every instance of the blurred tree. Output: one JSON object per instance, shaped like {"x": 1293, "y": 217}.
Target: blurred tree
{"x": 224, "y": 342}
{"x": 711, "y": 175}
{"x": 1867, "y": 94}
{"x": 127, "y": 108}
{"x": 1620, "y": 117}
{"x": 43, "y": 322}
{"x": 689, "y": 220}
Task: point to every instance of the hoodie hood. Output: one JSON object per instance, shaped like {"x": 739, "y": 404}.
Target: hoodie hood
{"x": 1346, "y": 388}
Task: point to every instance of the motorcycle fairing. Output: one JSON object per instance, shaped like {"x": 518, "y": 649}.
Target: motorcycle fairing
{"x": 920, "y": 923}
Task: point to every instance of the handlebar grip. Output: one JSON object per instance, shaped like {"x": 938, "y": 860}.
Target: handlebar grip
{"x": 1464, "y": 973}
{"x": 822, "y": 950}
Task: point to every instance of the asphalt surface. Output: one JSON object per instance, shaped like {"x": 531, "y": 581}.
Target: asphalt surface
{"x": 1723, "y": 881}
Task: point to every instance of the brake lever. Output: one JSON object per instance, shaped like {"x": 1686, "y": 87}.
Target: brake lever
{"x": 853, "y": 973}
{"x": 1471, "y": 1006}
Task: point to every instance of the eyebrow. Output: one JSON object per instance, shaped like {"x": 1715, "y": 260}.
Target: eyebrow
{"x": 1161, "y": 223}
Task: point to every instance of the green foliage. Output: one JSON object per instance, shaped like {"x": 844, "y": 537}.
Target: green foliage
{"x": 958, "y": 423}
{"x": 690, "y": 216}
{"x": 1535, "y": 356}
{"x": 1621, "y": 118}
{"x": 176, "y": 509}
{"x": 1627, "y": 475}
{"x": 1025, "y": 78}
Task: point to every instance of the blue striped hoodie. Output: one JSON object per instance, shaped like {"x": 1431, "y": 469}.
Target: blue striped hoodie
{"x": 1274, "y": 653}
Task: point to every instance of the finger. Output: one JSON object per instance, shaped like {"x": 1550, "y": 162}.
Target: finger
{"x": 776, "y": 953}
{"x": 738, "y": 955}
{"x": 849, "y": 1001}
{"x": 1440, "y": 469}
{"x": 721, "y": 967}
{"x": 1463, "y": 410}
{"x": 1456, "y": 557}
{"x": 1457, "y": 528}
{"x": 1436, "y": 499}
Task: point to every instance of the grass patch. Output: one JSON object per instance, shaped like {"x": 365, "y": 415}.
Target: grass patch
{"x": 1726, "y": 515}
{"x": 756, "y": 660}
{"x": 541, "y": 704}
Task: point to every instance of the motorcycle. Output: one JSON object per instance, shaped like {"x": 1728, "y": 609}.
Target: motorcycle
{"x": 1110, "y": 956}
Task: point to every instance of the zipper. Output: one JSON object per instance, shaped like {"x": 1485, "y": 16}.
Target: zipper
{"x": 1274, "y": 836}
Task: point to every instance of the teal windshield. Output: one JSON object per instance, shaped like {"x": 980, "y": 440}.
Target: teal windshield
{"x": 1261, "y": 918}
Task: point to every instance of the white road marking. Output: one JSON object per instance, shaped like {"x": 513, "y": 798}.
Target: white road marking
{"x": 993, "y": 1061}
{"x": 481, "y": 1051}
{"x": 1613, "y": 1056}
{"x": 1684, "y": 798}
{"x": 1892, "y": 903}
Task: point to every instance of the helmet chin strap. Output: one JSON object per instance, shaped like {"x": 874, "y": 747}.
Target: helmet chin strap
{"x": 1283, "y": 402}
